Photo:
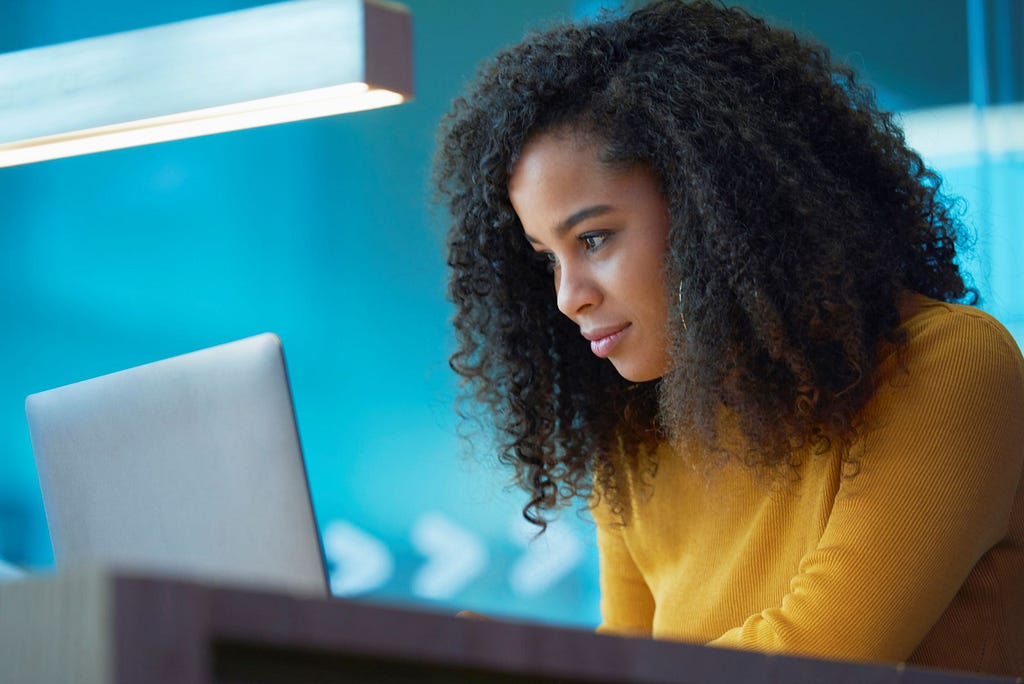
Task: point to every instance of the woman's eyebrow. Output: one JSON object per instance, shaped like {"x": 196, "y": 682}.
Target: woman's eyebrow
{"x": 583, "y": 214}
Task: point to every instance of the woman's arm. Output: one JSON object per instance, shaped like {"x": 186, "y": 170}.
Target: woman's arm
{"x": 627, "y": 606}
{"x": 938, "y": 483}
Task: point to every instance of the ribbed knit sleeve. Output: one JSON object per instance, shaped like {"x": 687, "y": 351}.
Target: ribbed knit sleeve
{"x": 940, "y": 467}
{"x": 627, "y": 606}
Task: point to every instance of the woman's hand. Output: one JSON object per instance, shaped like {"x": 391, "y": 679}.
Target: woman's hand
{"x": 470, "y": 615}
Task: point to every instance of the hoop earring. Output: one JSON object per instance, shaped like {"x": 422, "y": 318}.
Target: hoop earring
{"x": 679, "y": 301}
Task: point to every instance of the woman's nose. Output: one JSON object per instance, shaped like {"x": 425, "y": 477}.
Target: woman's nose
{"x": 576, "y": 290}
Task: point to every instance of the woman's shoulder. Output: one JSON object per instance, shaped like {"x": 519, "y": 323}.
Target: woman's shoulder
{"x": 956, "y": 360}
{"x": 938, "y": 328}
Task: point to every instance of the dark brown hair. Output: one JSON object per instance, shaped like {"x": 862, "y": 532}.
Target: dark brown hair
{"x": 798, "y": 218}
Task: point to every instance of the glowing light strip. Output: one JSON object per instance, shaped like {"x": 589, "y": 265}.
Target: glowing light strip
{"x": 351, "y": 97}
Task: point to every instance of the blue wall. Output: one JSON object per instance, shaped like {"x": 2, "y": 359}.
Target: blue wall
{"x": 321, "y": 232}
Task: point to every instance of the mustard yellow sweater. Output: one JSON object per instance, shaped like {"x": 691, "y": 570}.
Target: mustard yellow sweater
{"x": 919, "y": 557}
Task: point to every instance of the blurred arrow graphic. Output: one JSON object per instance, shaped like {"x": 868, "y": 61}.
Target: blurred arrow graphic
{"x": 545, "y": 560}
{"x": 454, "y": 556}
{"x": 360, "y": 562}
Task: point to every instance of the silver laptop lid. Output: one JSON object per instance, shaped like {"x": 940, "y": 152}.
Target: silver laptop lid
{"x": 190, "y": 465}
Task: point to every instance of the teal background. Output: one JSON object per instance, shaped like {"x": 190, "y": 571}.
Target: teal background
{"x": 322, "y": 232}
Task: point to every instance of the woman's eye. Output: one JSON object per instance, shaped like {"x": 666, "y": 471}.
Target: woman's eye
{"x": 549, "y": 260}
{"x": 593, "y": 241}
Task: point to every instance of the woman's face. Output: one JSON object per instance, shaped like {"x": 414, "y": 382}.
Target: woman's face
{"x": 604, "y": 233}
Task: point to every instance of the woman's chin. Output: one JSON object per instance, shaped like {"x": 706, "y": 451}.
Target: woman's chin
{"x": 635, "y": 372}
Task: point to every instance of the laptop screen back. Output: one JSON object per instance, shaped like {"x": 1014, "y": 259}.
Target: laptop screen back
{"x": 190, "y": 466}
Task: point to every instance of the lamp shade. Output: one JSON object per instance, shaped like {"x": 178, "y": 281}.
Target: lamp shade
{"x": 255, "y": 67}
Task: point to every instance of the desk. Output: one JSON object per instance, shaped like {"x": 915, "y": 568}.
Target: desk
{"x": 116, "y": 628}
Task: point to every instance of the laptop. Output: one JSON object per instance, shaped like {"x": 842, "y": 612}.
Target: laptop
{"x": 189, "y": 466}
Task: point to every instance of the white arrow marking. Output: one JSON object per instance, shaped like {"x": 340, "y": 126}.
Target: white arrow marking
{"x": 361, "y": 562}
{"x": 454, "y": 556}
{"x": 546, "y": 559}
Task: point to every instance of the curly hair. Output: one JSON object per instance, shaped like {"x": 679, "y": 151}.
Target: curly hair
{"x": 798, "y": 218}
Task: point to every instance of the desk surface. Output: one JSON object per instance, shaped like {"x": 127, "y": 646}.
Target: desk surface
{"x": 104, "y": 628}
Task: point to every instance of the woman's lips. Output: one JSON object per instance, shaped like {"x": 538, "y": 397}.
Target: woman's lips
{"x": 603, "y": 341}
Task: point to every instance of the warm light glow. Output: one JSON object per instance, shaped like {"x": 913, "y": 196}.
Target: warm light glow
{"x": 961, "y": 135}
{"x": 350, "y": 97}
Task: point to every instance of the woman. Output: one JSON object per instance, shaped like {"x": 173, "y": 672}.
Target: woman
{"x": 798, "y": 441}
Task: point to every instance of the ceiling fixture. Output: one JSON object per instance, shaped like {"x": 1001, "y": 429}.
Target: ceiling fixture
{"x": 266, "y": 65}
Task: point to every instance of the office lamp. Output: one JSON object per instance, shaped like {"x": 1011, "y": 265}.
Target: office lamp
{"x": 265, "y": 65}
